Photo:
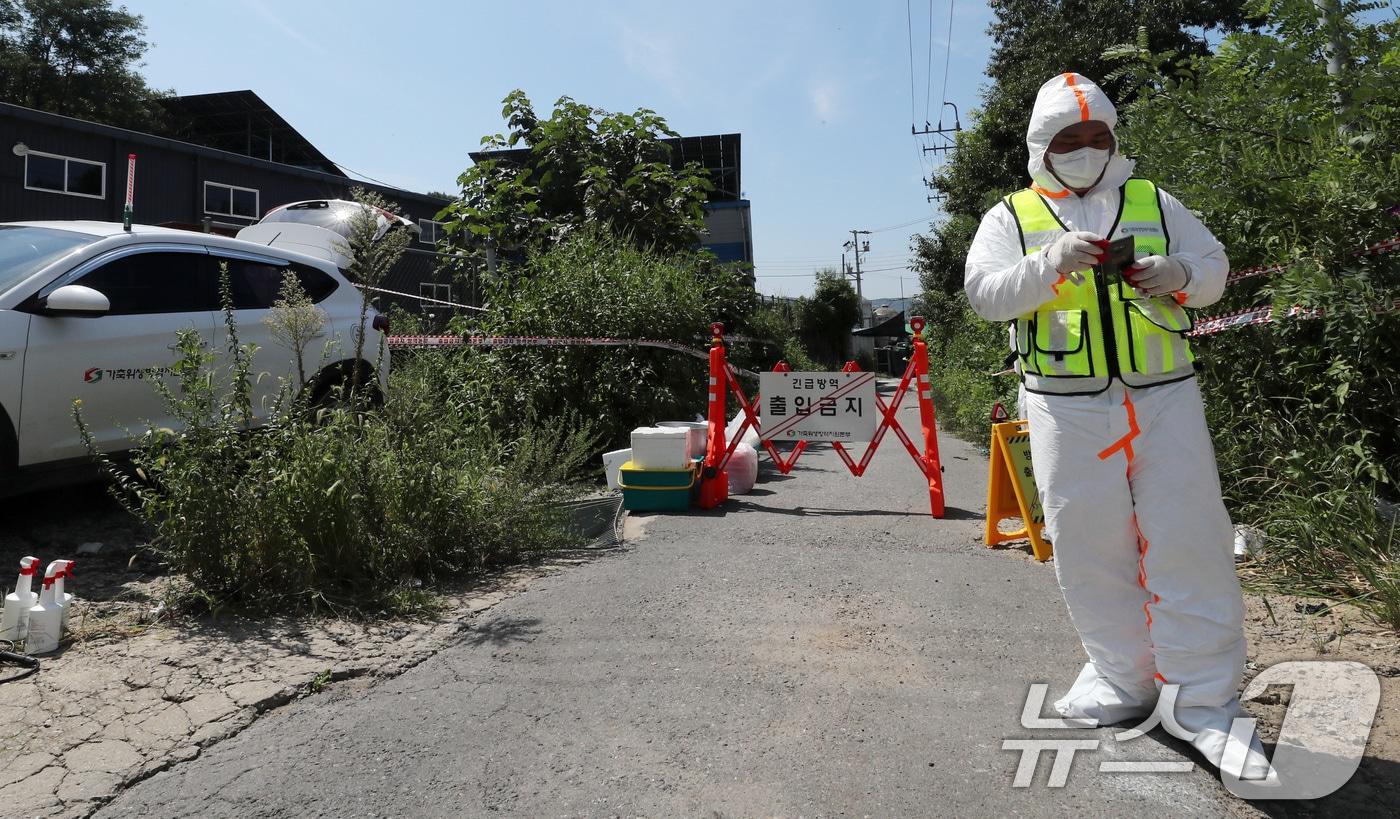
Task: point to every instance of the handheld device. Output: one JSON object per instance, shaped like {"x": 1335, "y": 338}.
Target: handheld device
{"x": 1118, "y": 257}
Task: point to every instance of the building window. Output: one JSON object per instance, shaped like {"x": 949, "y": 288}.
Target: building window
{"x": 230, "y": 200}
{"x": 430, "y": 290}
{"x": 64, "y": 174}
{"x": 432, "y": 232}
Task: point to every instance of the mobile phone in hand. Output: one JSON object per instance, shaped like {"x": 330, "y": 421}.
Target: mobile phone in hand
{"x": 1118, "y": 256}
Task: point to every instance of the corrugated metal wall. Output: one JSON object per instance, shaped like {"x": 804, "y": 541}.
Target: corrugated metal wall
{"x": 169, "y": 180}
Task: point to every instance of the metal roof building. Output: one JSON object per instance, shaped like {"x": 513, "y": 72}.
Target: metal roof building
{"x": 234, "y": 160}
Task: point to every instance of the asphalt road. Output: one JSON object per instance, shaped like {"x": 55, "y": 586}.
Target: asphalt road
{"x": 820, "y": 647}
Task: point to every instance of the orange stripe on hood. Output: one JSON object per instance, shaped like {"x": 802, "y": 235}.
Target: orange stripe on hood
{"x": 1049, "y": 194}
{"x": 1078, "y": 96}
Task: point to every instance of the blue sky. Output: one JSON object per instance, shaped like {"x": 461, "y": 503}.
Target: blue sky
{"x": 401, "y": 91}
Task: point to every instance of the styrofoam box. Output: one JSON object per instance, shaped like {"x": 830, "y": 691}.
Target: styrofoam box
{"x": 612, "y": 464}
{"x": 661, "y": 447}
{"x": 699, "y": 434}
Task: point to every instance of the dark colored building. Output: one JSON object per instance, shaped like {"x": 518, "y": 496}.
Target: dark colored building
{"x": 728, "y": 229}
{"x": 235, "y": 159}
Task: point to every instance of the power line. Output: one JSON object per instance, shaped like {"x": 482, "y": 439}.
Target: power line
{"x": 928, "y": 74}
{"x": 947, "y": 46}
{"x": 357, "y": 173}
{"x": 880, "y": 257}
{"x": 821, "y": 259}
{"x": 925, "y": 169}
{"x": 901, "y": 224}
{"x": 909, "y": 27}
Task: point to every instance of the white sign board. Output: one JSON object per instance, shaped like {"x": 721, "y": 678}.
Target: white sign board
{"x": 818, "y": 406}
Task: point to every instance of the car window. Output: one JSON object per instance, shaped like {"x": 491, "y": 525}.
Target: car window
{"x": 317, "y": 284}
{"x": 258, "y": 285}
{"x": 26, "y": 250}
{"x": 254, "y": 284}
{"x": 157, "y": 282}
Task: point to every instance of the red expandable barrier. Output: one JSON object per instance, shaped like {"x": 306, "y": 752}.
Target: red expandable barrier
{"x": 714, "y": 488}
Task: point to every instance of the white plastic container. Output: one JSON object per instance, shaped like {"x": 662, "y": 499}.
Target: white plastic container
{"x": 62, "y": 598}
{"x": 14, "y": 624}
{"x": 45, "y": 620}
{"x": 612, "y": 465}
{"x": 699, "y": 434}
{"x": 661, "y": 448}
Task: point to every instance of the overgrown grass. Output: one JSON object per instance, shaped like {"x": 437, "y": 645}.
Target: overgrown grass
{"x": 343, "y": 508}
{"x": 963, "y": 355}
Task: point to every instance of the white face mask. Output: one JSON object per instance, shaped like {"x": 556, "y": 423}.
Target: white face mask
{"x": 1080, "y": 168}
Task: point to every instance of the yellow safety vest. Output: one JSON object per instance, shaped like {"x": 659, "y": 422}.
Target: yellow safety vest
{"x": 1091, "y": 333}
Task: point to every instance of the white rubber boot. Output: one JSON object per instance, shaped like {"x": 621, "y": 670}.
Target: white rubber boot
{"x": 1092, "y": 697}
{"x": 1208, "y": 730}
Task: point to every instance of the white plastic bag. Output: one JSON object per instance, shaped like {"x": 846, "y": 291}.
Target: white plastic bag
{"x": 750, "y": 434}
{"x": 742, "y": 469}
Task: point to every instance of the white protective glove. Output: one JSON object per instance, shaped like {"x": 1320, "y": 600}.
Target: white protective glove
{"x": 1158, "y": 275}
{"x": 1073, "y": 253}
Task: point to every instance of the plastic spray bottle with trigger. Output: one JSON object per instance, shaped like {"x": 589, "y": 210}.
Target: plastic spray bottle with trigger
{"x": 14, "y": 624}
{"x": 45, "y": 618}
{"x": 64, "y": 600}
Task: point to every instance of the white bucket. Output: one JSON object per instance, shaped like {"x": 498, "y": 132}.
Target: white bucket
{"x": 699, "y": 434}
{"x": 612, "y": 465}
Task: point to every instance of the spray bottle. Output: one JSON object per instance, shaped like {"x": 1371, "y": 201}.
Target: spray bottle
{"x": 45, "y": 618}
{"x": 14, "y": 624}
{"x": 64, "y": 601}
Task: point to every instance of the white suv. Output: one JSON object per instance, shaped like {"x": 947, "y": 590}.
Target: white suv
{"x": 89, "y": 310}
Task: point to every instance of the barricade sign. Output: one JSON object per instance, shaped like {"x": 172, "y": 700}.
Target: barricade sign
{"x": 1011, "y": 490}
{"x": 817, "y": 406}
{"x": 856, "y": 418}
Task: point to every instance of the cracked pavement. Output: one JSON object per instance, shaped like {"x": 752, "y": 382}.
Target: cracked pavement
{"x": 106, "y": 713}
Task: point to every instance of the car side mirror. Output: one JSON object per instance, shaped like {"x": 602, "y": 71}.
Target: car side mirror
{"x": 75, "y": 300}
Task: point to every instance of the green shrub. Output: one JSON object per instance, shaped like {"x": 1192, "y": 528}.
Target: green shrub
{"x": 341, "y": 507}
{"x": 963, "y": 355}
{"x": 593, "y": 284}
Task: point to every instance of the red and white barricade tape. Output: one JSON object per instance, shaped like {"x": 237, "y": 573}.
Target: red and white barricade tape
{"x": 1385, "y": 246}
{"x": 1264, "y": 315}
{"x": 429, "y": 342}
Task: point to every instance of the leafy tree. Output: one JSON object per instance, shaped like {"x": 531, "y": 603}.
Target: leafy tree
{"x": 1254, "y": 138}
{"x": 824, "y": 320}
{"x": 581, "y": 166}
{"x": 77, "y": 58}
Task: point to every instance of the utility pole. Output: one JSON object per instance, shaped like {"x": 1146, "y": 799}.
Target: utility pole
{"x": 1332, "y": 20}
{"x": 856, "y": 246}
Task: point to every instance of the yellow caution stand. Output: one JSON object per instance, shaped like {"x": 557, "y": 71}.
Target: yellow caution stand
{"x": 1011, "y": 491}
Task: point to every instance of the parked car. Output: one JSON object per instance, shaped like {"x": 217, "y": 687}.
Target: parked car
{"x": 89, "y": 310}
{"x": 337, "y": 215}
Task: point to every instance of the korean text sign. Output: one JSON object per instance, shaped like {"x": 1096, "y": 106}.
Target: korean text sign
{"x": 818, "y": 406}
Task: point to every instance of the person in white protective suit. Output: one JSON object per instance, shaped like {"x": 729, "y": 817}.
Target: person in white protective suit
{"x": 1122, "y": 456}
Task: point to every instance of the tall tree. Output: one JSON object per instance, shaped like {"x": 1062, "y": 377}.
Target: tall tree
{"x": 825, "y": 319}
{"x": 581, "y": 166}
{"x": 78, "y": 58}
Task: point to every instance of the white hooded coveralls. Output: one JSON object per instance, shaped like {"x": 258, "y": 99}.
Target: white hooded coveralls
{"x": 1128, "y": 480}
